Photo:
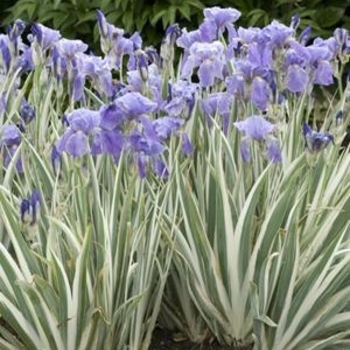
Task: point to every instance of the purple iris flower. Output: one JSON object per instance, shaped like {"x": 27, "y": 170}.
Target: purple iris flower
{"x": 75, "y": 141}
{"x": 68, "y": 48}
{"x": 65, "y": 57}
{"x": 320, "y": 57}
{"x": 260, "y": 93}
{"x": 25, "y": 60}
{"x": 165, "y": 126}
{"x": 134, "y": 105}
{"x": 10, "y": 139}
{"x": 30, "y": 208}
{"x": 44, "y": 36}
{"x": 316, "y": 141}
{"x": 154, "y": 82}
{"x": 236, "y": 85}
{"x": 255, "y": 127}
{"x": 98, "y": 71}
{"x": 260, "y": 55}
{"x": 118, "y": 46}
{"x": 87, "y": 135}
{"x": 181, "y": 99}
{"x": 218, "y": 103}
{"x": 277, "y": 33}
{"x": 209, "y": 57}
{"x": 5, "y": 53}
{"x": 107, "y": 30}
{"x": 187, "y": 39}
{"x": 258, "y": 128}
{"x": 146, "y": 150}
{"x": 297, "y": 60}
{"x": 217, "y": 19}
{"x": 172, "y": 33}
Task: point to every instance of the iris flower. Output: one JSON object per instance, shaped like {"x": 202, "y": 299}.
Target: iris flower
{"x": 259, "y": 129}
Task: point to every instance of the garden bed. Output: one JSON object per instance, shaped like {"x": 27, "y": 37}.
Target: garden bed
{"x": 164, "y": 340}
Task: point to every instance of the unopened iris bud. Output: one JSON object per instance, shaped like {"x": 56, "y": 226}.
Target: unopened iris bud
{"x": 30, "y": 209}
{"x": 295, "y": 22}
{"x": 35, "y": 206}
{"x": 27, "y": 111}
{"x": 14, "y": 33}
{"x": 305, "y": 35}
{"x": 167, "y": 48}
{"x": 142, "y": 65}
{"x": 102, "y": 24}
{"x": 339, "y": 118}
{"x": 172, "y": 33}
{"x": 170, "y": 92}
{"x": 55, "y": 160}
{"x": 25, "y": 208}
{"x": 153, "y": 56}
{"x": 65, "y": 121}
{"x": 341, "y": 36}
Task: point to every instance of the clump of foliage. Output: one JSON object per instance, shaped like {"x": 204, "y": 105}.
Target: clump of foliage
{"x": 210, "y": 195}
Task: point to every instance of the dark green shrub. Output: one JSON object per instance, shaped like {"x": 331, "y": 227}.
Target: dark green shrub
{"x": 77, "y": 18}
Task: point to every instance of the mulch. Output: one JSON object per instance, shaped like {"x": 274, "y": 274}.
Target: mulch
{"x": 164, "y": 340}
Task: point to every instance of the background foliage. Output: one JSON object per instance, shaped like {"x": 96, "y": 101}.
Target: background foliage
{"x": 77, "y": 18}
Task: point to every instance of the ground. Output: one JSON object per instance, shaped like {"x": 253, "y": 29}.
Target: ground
{"x": 163, "y": 340}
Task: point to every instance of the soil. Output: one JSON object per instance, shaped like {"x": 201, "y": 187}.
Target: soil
{"x": 164, "y": 340}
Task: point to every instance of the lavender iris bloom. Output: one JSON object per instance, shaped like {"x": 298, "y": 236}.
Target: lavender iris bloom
{"x": 66, "y": 64}
{"x": 209, "y": 57}
{"x": 217, "y": 19}
{"x": 5, "y": 53}
{"x": 10, "y": 139}
{"x": 154, "y": 82}
{"x": 98, "y": 71}
{"x": 146, "y": 149}
{"x": 258, "y": 128}
{"x": 108, "y": 32}
{"x": 297, "y": 60}
{"x": 134, "y": 105}
{"x": 181, "y": 99}
{"x": 316, "y": 141}
{"x": 75, "y": 141}
{"x": 172, "y": 33}
{"x": 277, "y": 33}
{"x": 218, "y": 103}
{"x": 87, "y": 135}
{"x": 69, "y": 48}
{"x": 44, "y": 36}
